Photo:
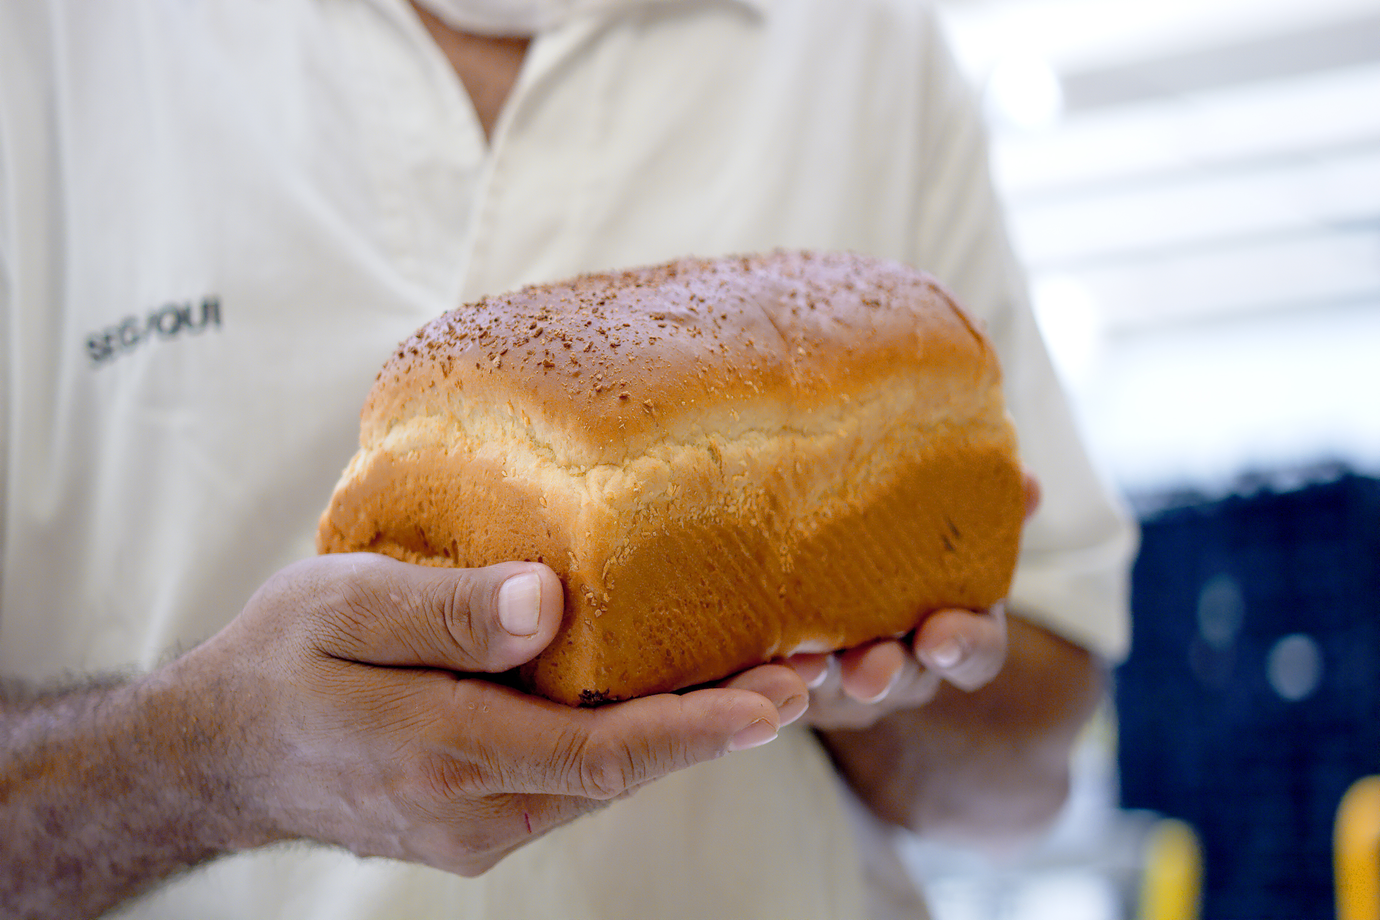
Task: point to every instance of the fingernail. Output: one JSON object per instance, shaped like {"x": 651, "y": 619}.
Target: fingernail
{"x": 886, "y": 691}
{"x": 947, "y": 654}
{"x": 755, "y": 735}
{"x": 793, "y": 708}
{"x": 812, "y": 671}
{"x": 519, "y": 604}
{"x": 818, "y": 680}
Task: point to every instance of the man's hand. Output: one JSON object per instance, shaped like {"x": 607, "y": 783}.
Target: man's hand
{"x": 962, "y": 730}
{"x": 374, "y": 733}
{"x": 965, "y": 648}
{"x": 983, "y": 766}
{"x": 855, "y": 688}
{"x": 352, "y": 702}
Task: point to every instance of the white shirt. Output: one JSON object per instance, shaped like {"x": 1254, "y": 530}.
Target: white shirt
{"x": 217, "y": 219}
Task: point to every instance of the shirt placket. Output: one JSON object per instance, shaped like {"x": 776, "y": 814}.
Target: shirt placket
{"x": 510, "y": 227}
{"x": 425, "y": 148}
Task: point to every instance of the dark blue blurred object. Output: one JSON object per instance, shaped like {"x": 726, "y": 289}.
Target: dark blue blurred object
{"x": 1251, "y": 698}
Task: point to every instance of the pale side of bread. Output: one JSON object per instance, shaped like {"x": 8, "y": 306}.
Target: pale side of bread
{"x": 726, "y": 461}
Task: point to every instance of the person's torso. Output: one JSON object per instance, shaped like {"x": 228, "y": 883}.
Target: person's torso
{"x": 248, "y": 206}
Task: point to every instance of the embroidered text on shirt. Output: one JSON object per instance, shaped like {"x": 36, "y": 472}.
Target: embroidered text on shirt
{"x": 167, "y": 322}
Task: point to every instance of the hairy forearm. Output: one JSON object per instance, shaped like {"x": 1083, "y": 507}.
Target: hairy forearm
{"x": 106, "y": 790}
{"x": 987, "y": 766}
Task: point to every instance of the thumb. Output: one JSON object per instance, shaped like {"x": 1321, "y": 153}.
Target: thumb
{"x": 470, "y": 620}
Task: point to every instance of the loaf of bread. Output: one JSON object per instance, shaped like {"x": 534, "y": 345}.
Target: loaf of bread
{"x": 726, "y": 461}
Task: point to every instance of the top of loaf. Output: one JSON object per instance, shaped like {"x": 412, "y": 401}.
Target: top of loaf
{"x": 599, "y": 367}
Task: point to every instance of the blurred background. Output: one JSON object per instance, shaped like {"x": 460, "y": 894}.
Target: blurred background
{"x": 1194, "y": 187}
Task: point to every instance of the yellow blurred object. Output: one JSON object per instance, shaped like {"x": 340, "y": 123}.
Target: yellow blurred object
{"x": 1173, "y": 884}
{"x": 1356, "y": 851}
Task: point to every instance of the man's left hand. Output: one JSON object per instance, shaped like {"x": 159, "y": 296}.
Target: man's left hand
{"x": 852, "y": 689}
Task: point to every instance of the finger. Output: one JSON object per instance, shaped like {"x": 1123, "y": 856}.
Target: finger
{"x": 778, "y": 683}
{"x": 811, "y": 667}
{"x": 833, "y": 708}
{"x": 603, "y": 753}
{"x": 868, "y": 673}
{"x": 964, "y": 647}
{"x": 490, "y": 619}
{"x": 1030, "y": 490}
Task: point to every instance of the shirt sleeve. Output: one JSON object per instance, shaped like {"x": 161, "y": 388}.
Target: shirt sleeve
{"x": 26, "y": 162}
{"x": 1073, "y": 576}
{"x": 8, "y": 83}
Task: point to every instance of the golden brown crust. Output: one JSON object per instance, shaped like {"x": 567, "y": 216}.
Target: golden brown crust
{"x": 724, "y": 460}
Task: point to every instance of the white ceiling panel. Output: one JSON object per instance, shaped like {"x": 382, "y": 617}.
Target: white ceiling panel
{"x": 1077, "y": 35}
{"x": 1196, "y": 194}
{"x": 1197, "y": 209}
{"x": 1267, "y": 277}
{"x": 1305, "y": 116}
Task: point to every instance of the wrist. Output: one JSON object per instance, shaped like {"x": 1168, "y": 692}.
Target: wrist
{"x": 207, "y": 760}
{"x": 110, "y": 788}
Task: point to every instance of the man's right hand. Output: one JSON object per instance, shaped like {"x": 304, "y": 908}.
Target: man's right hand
{"x": 344, "y": 705}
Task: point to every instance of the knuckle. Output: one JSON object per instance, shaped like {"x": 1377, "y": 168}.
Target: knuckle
{"x": 458, "y": 606}
{"x": 608, "y": 771}
{"x": 339, "y": 617}
{"x": 602, "y": 770}
{"x": 566, "y": 751}
{"x": 444, "y": 780}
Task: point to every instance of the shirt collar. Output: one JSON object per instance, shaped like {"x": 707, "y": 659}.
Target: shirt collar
{"x": 757, "y": 7}
{"x": 493, "y": 10}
